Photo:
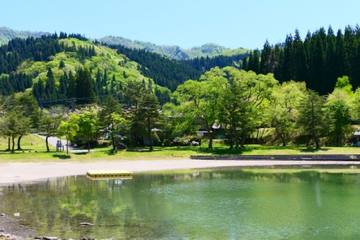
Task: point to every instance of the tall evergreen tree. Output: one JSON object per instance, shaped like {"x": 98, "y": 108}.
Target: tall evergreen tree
{"x": 84, "y": 87}
{"x": 50, "y": 88}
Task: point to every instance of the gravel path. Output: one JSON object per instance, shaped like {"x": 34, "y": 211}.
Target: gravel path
{"x": 28, "y": 172}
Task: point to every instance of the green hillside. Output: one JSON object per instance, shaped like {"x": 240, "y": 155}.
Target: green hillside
{"x": 213, "y": 50}
{"x": 79, "y": 70}
{"x": 106, "y": 59}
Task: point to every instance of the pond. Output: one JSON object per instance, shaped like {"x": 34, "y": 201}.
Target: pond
{"x": 207, "y": 204}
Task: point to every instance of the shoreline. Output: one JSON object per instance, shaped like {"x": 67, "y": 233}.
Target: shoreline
{"x": 29, "y": 172}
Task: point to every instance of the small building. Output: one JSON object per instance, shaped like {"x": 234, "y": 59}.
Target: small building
{"x": 356, "y": 138}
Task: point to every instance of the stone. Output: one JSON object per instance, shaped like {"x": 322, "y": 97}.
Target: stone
{"x": 2, "y": 214}
{"x": 50, "y": 238}
{"x": 86, "y": 224}
{"x": 17, "y": 214}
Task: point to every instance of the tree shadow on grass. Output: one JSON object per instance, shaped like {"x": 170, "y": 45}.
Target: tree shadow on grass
{"x": 248, "y": 149}
{"x": 143, "y": 149}
{"x": 81, "y": 153}
{"x": 313, "y": 150}
{"x": 24, "y": 150}
{"x": 61, "y": 156}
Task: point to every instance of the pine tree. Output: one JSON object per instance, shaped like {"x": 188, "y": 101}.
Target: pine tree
{"x": 311, "y": 118}
{"x": 50, "y": 89}
{"x": 299, "y": 58}
{"x": 61, "y": 64}
{"x": 266, "y": 63}
{"x": 63, "y": 88}
{"x": 84, "y": 87}
{"x": 71, "y": 90}
{"x": 288, "y": 64}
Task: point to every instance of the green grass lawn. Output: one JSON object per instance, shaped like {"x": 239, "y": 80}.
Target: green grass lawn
{"x": 34, "y": 150}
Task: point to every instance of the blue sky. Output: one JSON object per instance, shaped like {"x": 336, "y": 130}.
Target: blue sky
{"x": 232, "y": 23}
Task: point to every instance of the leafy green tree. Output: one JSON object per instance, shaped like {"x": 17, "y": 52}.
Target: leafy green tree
{"x": 338, "y": 111}
{"x": 147, "y": 115}
{"x": 355, "y": 105}
{"x": 344, "y": 84}
{"x": 68, "y": 129}
{"x": 88, "y": 127}
{"x": 311, "y": 119}
{"x": 242, "y": 101}
{"x": 117, "y": 129}
{"x": 283, "y": 109}
{"x": 112, "y": 121}
{"x": 199, "y": 101}
{"x": 49, "y": 124}
{"x": 26, "y": 108}
{"x": 12, "y": 125}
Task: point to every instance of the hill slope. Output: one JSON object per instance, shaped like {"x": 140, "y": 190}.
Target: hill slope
{"x": 174, "y": 52}
{"x": 6, "y": 34}
{"x": 73, "y": 69}
{"x": 169, "y": 72}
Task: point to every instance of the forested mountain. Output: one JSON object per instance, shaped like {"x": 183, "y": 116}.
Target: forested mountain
{"x": 170, "y": 73}
{"x": 6, "y": 34}
{"x": 68, "y": 68}
{"x": 319, "y": 59}
{"x": 174, "y": 52}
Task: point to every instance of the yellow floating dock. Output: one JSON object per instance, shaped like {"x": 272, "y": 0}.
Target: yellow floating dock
{"x": 106, "y": 174}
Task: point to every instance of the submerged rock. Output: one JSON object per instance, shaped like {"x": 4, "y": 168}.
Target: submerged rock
{"x": 50, "y": 238}
{"x": 8, "y": 236}
{"x": 86, "y": 224}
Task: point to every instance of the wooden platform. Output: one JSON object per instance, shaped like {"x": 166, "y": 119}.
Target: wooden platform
{"x": 107, "y": 174}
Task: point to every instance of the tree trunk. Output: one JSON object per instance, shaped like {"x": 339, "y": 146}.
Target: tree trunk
{"x": 211, "y": 136}
{"x": 19, "y": 142}
{"x": 9, "y": 144}
{"x": 317, "y": 144}
{"x": 113, "y": 143}
{"x": 283, "y": 141}
{"x": 237, "y": 144}
{"x": 67, "y": 146}
{"x": 149, "y": 135}
{"x": 47, "y": 143}
{"x": 88, "y": 146}
{"x": 13, "y": 144}
{"x": 231, "y": 143}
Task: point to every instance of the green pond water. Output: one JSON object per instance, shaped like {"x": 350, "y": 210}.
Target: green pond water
{"x": 217, "y": 204}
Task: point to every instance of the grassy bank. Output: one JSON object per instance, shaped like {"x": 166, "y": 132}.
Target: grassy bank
{"x": 279, "y": 170}
{"x": 34, "y": 150}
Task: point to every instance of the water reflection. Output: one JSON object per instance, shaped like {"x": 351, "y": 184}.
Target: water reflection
{"x": 220, "y": 204}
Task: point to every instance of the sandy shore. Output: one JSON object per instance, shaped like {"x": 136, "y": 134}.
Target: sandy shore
{"x": 36, "y": 171}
